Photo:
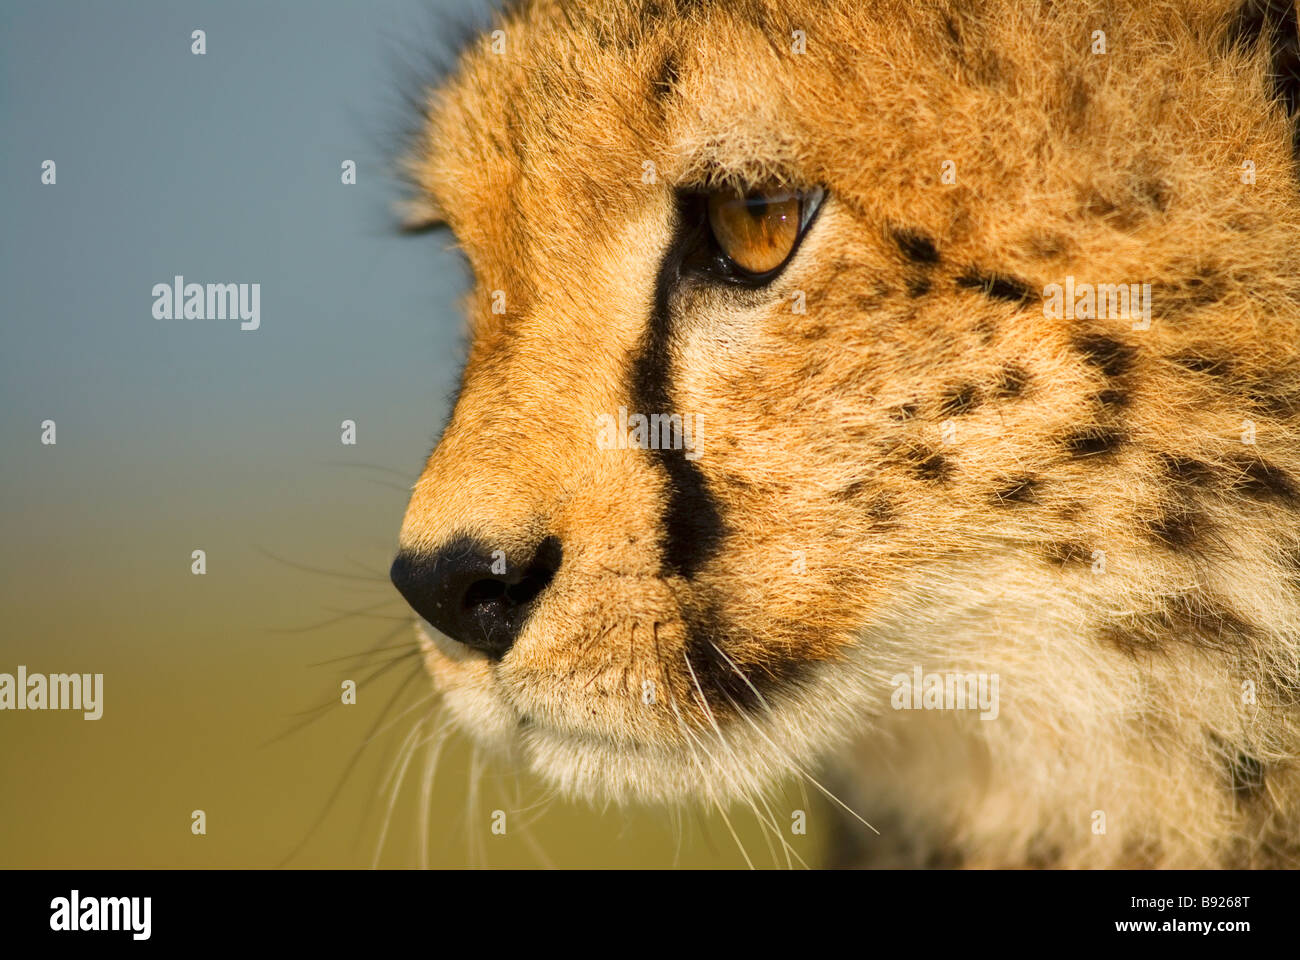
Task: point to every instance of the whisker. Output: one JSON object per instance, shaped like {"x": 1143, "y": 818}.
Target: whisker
{"x": 322, "y": 572}
{"x": 350, "y": 766}
{"x": 765, "y": 826}
{"x": 784, "y": 754}
{"x": 431, "y": 758}
{"x": 312, "y": 714}
{"x": 712, "y": 794}
{"x": 404, "y": 755}
{"x": 365, "y": 653}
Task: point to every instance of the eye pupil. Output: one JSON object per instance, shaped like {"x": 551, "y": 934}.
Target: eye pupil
{"x": 756, "y": 231}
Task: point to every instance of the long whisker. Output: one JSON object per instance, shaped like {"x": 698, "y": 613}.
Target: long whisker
{"x": 351, "y": 765}
{"x": 307, "y": 568}
{"x": 404, "y": 756}
{"x": 365, "y": 653}
{"x": 431, "y": 758}
{"x": 712, "y": 795}
{"x": 312, "y": 714}
{"x": 784, "y": 754}
{"x": 770, "y": 823}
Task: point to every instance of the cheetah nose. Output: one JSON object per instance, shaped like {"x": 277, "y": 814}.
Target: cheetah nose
{"x": 473, "y": 595}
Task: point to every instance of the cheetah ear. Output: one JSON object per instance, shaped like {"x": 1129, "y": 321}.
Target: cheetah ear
{"x": 1271, "y": 28}
{"x": 419, "y": 214}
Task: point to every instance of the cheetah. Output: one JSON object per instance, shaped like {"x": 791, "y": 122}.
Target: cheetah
{"x": 822, "y": 352}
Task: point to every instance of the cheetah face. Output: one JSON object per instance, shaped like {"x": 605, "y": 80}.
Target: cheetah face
{"x": 761, "y": 404}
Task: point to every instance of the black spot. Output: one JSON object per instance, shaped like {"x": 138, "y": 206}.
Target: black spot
{"x": 1191, "y": 618}
{"x": 959, "y": 399}
{"x": 1245, "y": 772}
{"x": 881, "y": 509}
{"x": 1197, "y": 363}
{"x": 1016, "y": 490}
{"x": 1011, "y": 382}
{"x": 997, "y": 286}
{"x": 1113, "y": 398}
{"x": 1155, "y": 191}
{"x": 904, "y": 411}
{"x": 916, "y": 246}
{"x": 918, "y": 286}
{"x": 927, "y": 464}
{"x": 693, "y": 526}
{"x": 1111, "y": 356}
{"x": 1276, "y": 404}
{"x": 871, "y": 302}
{"x": 1187, "y": 469}
{"x": 1066, "y": 554}
{"x": 1203, "y": 286}
{"x": 1247, "y": 775}
{"x": 666, "y": 77}
{"x": 1093, "y": 441}
{"x": 852, "y": 491}
{"x": 1265, "y": 481}
{"x": 954, "y": 35}
{"x": 1178, "y": 527}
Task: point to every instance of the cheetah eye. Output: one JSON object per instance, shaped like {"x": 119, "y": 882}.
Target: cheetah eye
{"x": 751, "y": 236}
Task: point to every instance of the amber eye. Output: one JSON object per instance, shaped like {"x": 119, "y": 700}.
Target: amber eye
{"x": 757, "y": 231}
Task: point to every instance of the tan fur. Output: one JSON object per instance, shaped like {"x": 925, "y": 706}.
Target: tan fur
{"x": 823, "y": 434}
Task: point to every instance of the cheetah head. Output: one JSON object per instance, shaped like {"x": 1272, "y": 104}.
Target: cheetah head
{"x": 766, "y": 399}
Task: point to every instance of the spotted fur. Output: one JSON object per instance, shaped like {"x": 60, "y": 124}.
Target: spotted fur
{"x": 921, "y": 467}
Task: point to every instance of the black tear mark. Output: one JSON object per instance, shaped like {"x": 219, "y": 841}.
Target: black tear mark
{"x": 1017, "y": 490}
{"x": 1272, "y": 23}
{"x": 1093, "y": 441}
{"x": 693, "y": 526}
{"x": 1011, "y": 382}
{"x": 916, "y": 246}
{"x": 998, "y": 286}
{"x": 1264, "y": 481}
{"x": 1109, "y": 355}
{"x": 959, "y": 400}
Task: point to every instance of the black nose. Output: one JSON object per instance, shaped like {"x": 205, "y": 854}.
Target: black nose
{"x": 474, "y": 595}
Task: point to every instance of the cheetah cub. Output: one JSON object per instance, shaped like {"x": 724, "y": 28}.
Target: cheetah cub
{"x": 905, "y": 396}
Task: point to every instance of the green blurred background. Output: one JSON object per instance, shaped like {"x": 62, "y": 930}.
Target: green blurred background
{"x": 190, "y": 434}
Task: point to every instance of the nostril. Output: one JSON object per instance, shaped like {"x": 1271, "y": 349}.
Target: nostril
{"x": 459, "y": 592}
{"x": 482, "y": 592}
{"x": 538, "y": 575}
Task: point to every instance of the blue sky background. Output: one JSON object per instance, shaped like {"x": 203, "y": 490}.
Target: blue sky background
{"x": 175, "y": 435}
